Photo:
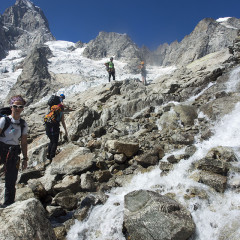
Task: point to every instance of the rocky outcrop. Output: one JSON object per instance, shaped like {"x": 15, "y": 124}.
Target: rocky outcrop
{"x": 35, "y": 81}
{"x": 215, "y": 166}
{"x": 25, "y": 25}
{"x": 5, "y": 44}
{"x": 111, "y": 44}
{"x": 73, "y": 160}
{"x": 235, "y": 49}
{"x": 149, "y": 215}
{"x": 25, "y": 220}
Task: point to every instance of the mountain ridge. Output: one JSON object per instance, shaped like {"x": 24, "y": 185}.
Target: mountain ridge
{"x": 24, "y": 24}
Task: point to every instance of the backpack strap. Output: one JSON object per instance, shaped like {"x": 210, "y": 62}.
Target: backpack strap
{"x": 22, "y": 125}
{"x": 7, "y": 124}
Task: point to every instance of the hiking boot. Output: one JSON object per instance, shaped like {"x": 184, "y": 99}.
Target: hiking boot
{"x": 3, "y": 206}
{"x": 48, "y": 162}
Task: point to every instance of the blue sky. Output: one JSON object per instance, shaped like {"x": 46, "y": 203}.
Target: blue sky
{"x": 150, "y": 22}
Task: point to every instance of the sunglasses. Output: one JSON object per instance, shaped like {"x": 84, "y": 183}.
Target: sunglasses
{"x": 18, "y": 106}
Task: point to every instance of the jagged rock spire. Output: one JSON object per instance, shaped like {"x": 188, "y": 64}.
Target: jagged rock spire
{"x": 26, "y": 25}
{"x": 27, "y": 3}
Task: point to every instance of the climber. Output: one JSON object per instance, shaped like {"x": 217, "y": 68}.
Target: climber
{"x": 55, "y": 100}
{"x": 13, "y": 130}
{"x": 52, "y": 126}
{"x": 143, "y": 71}
{"x": 110, "y": 68}
{"x": 62, "y": 97}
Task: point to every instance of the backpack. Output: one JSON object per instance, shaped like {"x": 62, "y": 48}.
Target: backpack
{"x": 54, "y": 100}
{"x": 4, "y": 112}
{"x": 107, "y": 66}
{"x": 54, "y": 116}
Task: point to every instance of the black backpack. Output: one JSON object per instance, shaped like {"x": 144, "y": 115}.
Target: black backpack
{"x": 54, "y": 100}
{"x": 4, "y": 112}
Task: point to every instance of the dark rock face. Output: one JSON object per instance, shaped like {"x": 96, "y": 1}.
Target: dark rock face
{"x": 35, "y": 80}
{"x": 4, "y": 43}
{"x": 24, "y": 25}
{"x": 235, "y": 49}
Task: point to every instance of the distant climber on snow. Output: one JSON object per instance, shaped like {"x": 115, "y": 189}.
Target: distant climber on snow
{"x": 143, "y": 71}
{"x": 110, "y": 68}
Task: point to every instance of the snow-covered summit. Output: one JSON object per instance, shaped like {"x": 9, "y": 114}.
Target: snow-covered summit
{"x": 226, "y": 23}
{"x": 224, "y": 19}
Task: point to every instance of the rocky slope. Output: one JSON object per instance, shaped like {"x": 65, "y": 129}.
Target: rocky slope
{"x": 143, "y": 162}
{"x": 121, "y": 129}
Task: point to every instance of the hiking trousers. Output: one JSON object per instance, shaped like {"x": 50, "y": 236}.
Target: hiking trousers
{"x": 11, "y": 160}
{"x": 52, "y": 131}
{"x": 52, "y": 146}
{"x": 111, "y": 74}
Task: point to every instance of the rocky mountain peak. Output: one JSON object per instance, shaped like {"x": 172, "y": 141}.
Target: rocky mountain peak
{"x": 25, "y": 3}
{"x": 209, "y": 36}
{"x": 204, "y": 25}
{"x": 25, "y": 25}
{"x": 111, "y": 44}
{"x": 35, "y": 80}
{"x": 119, "y": 46}
{"x": 229, "y": 22}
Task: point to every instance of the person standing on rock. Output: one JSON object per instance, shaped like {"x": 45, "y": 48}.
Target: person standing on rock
{"x": 143, "y": 71}
{"x": 52, "y": 126}
{"x": 13, "y": 141}
{"x": 110, "y": 68}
